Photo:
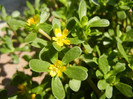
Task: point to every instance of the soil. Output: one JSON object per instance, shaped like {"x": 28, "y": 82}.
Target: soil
{"x": 8, "y": 69}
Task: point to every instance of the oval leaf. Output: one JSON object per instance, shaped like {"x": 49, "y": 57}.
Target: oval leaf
{"x": 39, "y": 65}
{"x": 57, "y": 88}
{"x": 72, "y": 54}
{"x": 121, "y": 50}
{"x": 87, "y": 47}
{"x": 103, "y": 64}
{"x": 100, "y": 23}
{"x": 108, "y": 92}
{"x": 102, "y": 84}
{"x": 125, "y": 89}
{"x": 39, "y": 43}
{"x": 75, "y": 84}
{"x": 16, "y": 24}
{"x": 30, "y": 37}
{"x": 76, "y": 73}
{"x": 56, "y": 23}
{"x": 82, "y": 9}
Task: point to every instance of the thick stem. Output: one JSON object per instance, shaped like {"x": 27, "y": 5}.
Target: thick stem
{"x": 93, "y": 86}
{"x": 44, "y": 34}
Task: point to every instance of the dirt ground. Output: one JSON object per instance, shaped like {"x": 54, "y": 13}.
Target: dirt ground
{"x": 8, "y": 69}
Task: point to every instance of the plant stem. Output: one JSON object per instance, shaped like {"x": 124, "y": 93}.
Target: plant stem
{"x": 93, "y": 86}
{"x": 44, "y": 34}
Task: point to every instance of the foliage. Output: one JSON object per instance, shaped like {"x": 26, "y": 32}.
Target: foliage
{"x": 85, "y": 46}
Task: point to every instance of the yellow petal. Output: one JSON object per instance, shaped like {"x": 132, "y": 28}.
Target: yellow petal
{"x": 33, "y": 96}
{"x": 54, "y": 38}
{"x": 63, "y": 68}
{"x": 65, "y": 32}
{"x": 67, "y": 42}
{"x": 36, "y": 19}
{"x": 58, "y": 63}
{"x": 30, "y": 21}
{"x": 60, "y": 43}
{"x": 58, "y": 73}
{"x": 52, "y": 73}
{"x": 58, "y": 32}
{"x": 51, "y": 67}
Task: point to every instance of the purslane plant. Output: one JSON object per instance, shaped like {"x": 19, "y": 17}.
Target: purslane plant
{"x": 86, "y": 52}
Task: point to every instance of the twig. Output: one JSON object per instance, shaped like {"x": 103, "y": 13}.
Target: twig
{"x": 93, "y": 86}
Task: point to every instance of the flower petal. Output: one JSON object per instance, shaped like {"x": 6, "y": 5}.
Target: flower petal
{"x": 67, "y": 42}
{"x": 60, "y": 43}
{"x": 58, "y": 63}
{"x": 58, "y": 32}
{"x": 52, "y": 73}
{"x": 65, "y": 32}
{"x": 54, "y": 38}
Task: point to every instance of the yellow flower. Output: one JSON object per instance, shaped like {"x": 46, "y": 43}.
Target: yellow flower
{"x": 61, "y": 38}
{"x": 33, "y": 96}
{"x": 57, "y": 68}
{"x": 33, "y": 20}
{"x": 22, "y": 88}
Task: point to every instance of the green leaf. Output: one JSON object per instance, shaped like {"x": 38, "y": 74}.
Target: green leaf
{"x": 56, "y": 23}
{"x": 84, "y": 21}
{"x": 76, "y": 73}
{"x": 39, "y": 43}
{"x": 44, "y": 15}
{"x": 95, "y": 2}
{"x": 124, "y": 7}
{"x": 99, "y": 74}
{"x": 31, "y": 37}
{"x": 4, "y": 14}
{"x": 87, "y": 58}
{"x": 37, "y": 4}
{"x": 53, "y": 55}
{"x": 82, "y": 9}
{"x": 9, "y": 43}
{"x": 119, "y": 67}
{"x": 125, "y": 89}
{"x": 72, "y": 54}
{"x": 118, "y": 32}
{"x": 100, "y": 23}
{"x": 75, "y": 41}
{"x": 45, "y": 27}
{"x": 98, "y": 50}
{"x": 43, "y": 55}
{"x": 57, "y": 88}
{"x": 15, "y": 14}
{"x": 31, "y": 8}
{"x": 16, "y": 24}
{"x": 15, "y": 59}
{"x": 13, "y": 97}
{"x": 121, "y": 15}
{"x": 103, "y": 64}
{"x": 57, "y": 47}
{"x": 112, "y": 80}
{"x": 39, "y": 65}
{"x": 71, "y": 23}
{"x": 87, "y": 47}
{"x": 37, "y": 89}
{"x": 96, "y": 18}
{"x": 121, "y": 50}
{"x": 5, "y": 50}
{"x": 102, "y": 84}
{"x": 75, "y": 84}
{"x": 109, "y": 91}
{"x": 130, "y": 33}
